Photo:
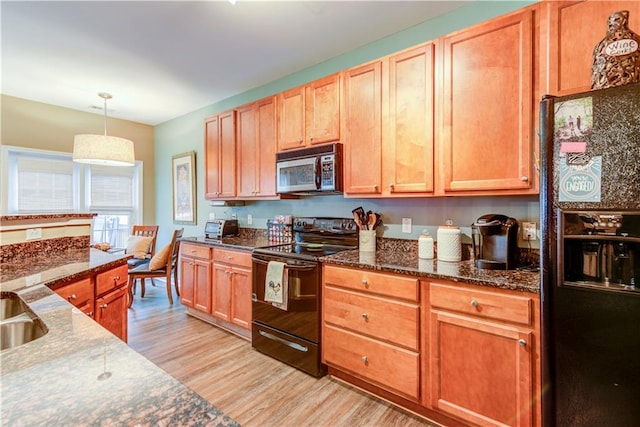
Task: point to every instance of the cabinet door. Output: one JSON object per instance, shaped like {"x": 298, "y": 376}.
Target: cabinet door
{"x": 408, "y": 157}
{"x": 363, "y": 129}
{"x": 111, "y": 312}
{"x": 220, "y": 156}
{"x": 241, "y": 297}
{"x": 291, "y": 119}
{"x": 221, "y": 292}
{"x": 480, "y": 371}
{"x": 487, "y": 106}
{"x": 575, "y": 28}
{"x": 322, "y": 110}
{"x": 266, "y": 140}
{"x": 187, "y": 281}
{"x": 202, "y": 288}
{"x": 248, "y": 154}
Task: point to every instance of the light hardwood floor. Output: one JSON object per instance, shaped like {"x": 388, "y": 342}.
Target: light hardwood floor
{"x": 251, "y": 388}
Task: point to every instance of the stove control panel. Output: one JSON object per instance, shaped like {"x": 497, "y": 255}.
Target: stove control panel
{"x": 325, "y": 225}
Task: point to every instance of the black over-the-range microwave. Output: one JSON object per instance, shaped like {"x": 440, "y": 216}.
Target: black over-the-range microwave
{"x": 310, "y": 171}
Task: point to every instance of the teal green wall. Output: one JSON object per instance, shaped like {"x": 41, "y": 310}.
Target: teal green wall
{"x": 186, "y": 133}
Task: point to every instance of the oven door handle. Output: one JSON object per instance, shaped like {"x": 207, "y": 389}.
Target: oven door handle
{"x": 309, "y": 266}
{"x": 293, "y": 345}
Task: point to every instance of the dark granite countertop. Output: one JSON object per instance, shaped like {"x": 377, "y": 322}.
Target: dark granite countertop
{"x": 56, "y": 379}
{"x": 405, "y": 261}
{"x": 243, "y": 242}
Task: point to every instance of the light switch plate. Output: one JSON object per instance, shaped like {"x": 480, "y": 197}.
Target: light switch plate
{"x": 34, "y": 233}
{"x": 406, "y": 225}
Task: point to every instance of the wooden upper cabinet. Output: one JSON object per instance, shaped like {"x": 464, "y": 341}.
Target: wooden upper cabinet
{"x": 408, "y": 147}
{"x": 487, "y": 107}
{"x": 575, "y": 28}
{"x": 247, "y": 155}
{"x": 220, "y": 156}
{"x": 266, "y": 140}
{"x": 362, "y": 132}
{"x": 322, "y": 110}
{"x": 256, "y": 144}
{"x": 309, "y": 114}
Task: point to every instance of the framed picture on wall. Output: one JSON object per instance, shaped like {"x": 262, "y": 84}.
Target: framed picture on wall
{"x": 184, "y": 188}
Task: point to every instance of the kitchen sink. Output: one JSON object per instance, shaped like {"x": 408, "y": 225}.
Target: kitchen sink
{"x": 18, "y": 323}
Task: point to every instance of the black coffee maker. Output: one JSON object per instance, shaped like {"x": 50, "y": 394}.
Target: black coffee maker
{"x": 495, "y": 242}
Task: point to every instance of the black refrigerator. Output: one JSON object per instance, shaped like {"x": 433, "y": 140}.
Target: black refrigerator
{"x": 590, "y": 257}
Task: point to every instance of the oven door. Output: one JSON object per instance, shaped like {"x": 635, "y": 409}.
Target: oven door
{"x": 301, "y": 318}
{"x": 298, "y": 175}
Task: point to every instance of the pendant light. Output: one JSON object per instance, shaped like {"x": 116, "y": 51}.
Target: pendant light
{"x": 103, "y": 149}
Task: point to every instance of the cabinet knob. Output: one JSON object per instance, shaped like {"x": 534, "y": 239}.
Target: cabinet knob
{"x": 103, "y": 306}
{"x": 365, "y": 283}
{"x": 116, "y": 278}
{"x": 365, "y": 316}
{"x": 522, "y": 342}
{"x": 392, "y": 187}
{"x": 72, "y": 296}
{"x": 90, "y": 314}
{"x": 524, "y": 178}
{"x": 310, "y": 138}
{"x": 364, "y": 359}
{"x": 474, "y": 303}
{"x": 301, "y": 142}
{"x": 375, "y": 188}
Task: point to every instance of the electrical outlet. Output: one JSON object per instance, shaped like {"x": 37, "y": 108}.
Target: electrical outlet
{"x": 406, "y": 225}
{"x": 34, "y": 233}
{"x": 234, "y": 215}
{"x": 249, "y": 219}
{"x": 212, "y": 215}
{"x": 529, "y": 231}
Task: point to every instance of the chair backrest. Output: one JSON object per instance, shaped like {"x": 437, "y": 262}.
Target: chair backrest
{"x": 172, "y": 259}
{"x": 147, "y": 231}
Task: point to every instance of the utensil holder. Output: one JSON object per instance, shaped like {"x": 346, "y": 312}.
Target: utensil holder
{"x": 367, "y": 241}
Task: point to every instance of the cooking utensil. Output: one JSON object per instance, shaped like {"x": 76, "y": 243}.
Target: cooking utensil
{"x": 371, "y": 217}
{"x": 359, "y": 217}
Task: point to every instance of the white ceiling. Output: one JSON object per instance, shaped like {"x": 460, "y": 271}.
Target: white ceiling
{"x": 163, "y": 59}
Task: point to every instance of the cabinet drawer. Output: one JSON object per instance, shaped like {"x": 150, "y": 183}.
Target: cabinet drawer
{"x": 232, "y": 257}
{"x": 377, "y": 283}
{"x": 491, "y": 305}
{"x": 195, "y": 251}
{"x": 111, "y": 279}
{"x": 393, "y": 321}
{"x": 391, "y": 367}
{"x": 78, "y": 293}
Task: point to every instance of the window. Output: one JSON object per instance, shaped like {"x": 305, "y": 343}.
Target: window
{"x": 43, "y": 181}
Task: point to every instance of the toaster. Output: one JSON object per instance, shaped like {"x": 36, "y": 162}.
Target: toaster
{"x": 220, "y": 228}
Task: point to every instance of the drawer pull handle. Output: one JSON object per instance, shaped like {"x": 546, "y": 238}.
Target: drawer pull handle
{"x": 103, "y": 306}
{"x": 522, "y": 342}
{"x": 364, "y": 282}
{"x": 116, "y": 278}
{"x": 365, "y": 316}
{"x": 72, "y": 296}
{"x": 364, "y": 359}
{"x": 474, "y": 303}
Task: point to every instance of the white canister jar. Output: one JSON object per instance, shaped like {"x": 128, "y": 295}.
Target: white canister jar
{"x": 425, "y": 246}
{"x": 449, "y": 244}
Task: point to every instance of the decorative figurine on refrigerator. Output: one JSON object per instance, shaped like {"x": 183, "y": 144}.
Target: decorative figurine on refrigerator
{"x": 616, "y": 59}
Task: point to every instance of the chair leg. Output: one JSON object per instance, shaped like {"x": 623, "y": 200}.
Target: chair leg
{"x": 169, "y": 290}
{"x": 130, "y": 284}
{"x": 175, "y": 281}
{"x": 142, "y": 287}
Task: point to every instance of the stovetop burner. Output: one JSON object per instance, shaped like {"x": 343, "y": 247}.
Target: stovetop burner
{"x": 317, "y": 237}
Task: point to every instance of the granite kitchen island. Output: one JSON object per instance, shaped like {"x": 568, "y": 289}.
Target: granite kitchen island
{"x": 78, "y": 373}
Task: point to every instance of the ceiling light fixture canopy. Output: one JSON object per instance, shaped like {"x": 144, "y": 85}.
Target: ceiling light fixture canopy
{"x": 103, "y": 149}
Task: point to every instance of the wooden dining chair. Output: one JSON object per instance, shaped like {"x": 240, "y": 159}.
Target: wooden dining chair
{"x": 163, "y": 264}
{"x": 144, "y": 231}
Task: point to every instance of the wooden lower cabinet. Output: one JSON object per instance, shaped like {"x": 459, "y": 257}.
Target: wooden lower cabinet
{"x": 372, "y": 335}
{"x": 458, "y": 354}
{"x": 484, "y": 355}
{"x": 195, "y": 276}
{"x": 215, "y": 286}
{"x": 102, "y": 296}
